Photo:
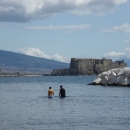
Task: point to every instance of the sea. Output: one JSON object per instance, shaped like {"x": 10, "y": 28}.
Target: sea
{"x": 24, "y": 104}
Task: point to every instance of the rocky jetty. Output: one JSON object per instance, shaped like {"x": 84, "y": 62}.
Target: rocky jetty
{"x": 118, "y": 77}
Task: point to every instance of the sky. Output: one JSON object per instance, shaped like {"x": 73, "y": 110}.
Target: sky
{"x": 65, "y": 29}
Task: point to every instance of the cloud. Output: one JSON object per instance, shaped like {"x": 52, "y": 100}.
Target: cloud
{"x": 60, "y": 58}
{"x": 6, "y": 24}
{"x": 118, "y": 55}
{"x": 51, "y": 27}
{"x": 38, "y": 53}
{"x": 114, "y": 55}
{"x": 125, "y": 28}
{"x": 33, "y": 52}
{"x": 26, "y": 10}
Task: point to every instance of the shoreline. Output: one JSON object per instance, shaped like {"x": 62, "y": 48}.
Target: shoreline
{"x": 22, "y": 75}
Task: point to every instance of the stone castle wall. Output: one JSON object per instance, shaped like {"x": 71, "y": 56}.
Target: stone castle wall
{"x": 89, "y": 66}
{"x": 94, "y": 66}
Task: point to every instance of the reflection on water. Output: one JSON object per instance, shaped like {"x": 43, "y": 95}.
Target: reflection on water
{"x": 25, "y": 105}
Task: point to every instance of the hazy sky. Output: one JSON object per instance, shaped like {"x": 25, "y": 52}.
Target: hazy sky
{"x": 64, "y": 29}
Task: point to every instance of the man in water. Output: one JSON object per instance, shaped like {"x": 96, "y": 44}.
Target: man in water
{"x": 50, "y": 92}
{"x": 62, "y": 92}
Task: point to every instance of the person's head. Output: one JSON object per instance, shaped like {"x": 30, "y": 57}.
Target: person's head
{"x": 61, "y": 86}
{"x": 49, "y": 87}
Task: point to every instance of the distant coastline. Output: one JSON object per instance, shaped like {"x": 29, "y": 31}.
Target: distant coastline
{"x": 21, "y": 75}
{"x": 89, "y": 67}
{"x": 77, "y": 67}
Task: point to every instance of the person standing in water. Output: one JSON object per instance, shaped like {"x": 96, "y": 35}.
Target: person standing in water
{"x": 50, "y": 92}
{"x": 62, "y": 92}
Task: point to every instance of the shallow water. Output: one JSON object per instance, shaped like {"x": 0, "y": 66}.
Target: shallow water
{"x": 25, "y": 105}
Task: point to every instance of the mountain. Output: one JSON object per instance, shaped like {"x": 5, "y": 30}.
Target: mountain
{"x": 16, "y": 62}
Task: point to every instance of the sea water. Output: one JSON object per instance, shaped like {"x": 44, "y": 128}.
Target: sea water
{"x": 24, "y": 104}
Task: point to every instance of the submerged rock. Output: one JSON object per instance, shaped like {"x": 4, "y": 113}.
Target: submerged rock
{"x": 118, "y": 77}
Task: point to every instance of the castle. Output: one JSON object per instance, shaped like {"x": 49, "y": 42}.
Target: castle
{"x": 89, "y": 66}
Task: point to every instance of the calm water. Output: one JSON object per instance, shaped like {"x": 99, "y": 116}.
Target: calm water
{"x": 24, "y": 104}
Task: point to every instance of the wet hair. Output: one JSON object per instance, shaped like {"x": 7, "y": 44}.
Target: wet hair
{"x": 49, "y": 87}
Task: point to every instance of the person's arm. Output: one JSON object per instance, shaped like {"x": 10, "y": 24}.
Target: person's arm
{"x": 48, "y": 92}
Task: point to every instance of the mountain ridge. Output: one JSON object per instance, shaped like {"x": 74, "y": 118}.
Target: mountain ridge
{"x": 13, "y": 61}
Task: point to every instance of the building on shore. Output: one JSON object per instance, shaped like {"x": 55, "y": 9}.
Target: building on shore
{"x": 89, "y": 66}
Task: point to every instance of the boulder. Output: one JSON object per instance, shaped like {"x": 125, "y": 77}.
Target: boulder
{"x": 116, "y": 70}
{"x": 125, "y": 82}
{"x": 104, "y": 80}
{"x": 124, "y": 71}
{"x": 119, "y": 79}
{"x": 112, "y": 78}
{"x": 106, "y": 73}
{"x": 128, "y": 74}
{"x": 119, "y": 76}
{"x": 97, "y": 81}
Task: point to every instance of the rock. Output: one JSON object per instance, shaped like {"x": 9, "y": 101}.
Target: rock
{"x": 104, "y": 80}
{"x": 125, "y": 81}
{"x": 104, "y": 74}
{"x": 128, "y": 74}
{"x": 116, "y": 70}
{"x": 120, "y": 77}
{"x": 97, "y": 81}
{"x": 112, "y": 78}
{"x": 124, "y": 71}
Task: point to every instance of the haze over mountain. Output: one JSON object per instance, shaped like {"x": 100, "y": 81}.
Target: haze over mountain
{"x": 16, "y": 62}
